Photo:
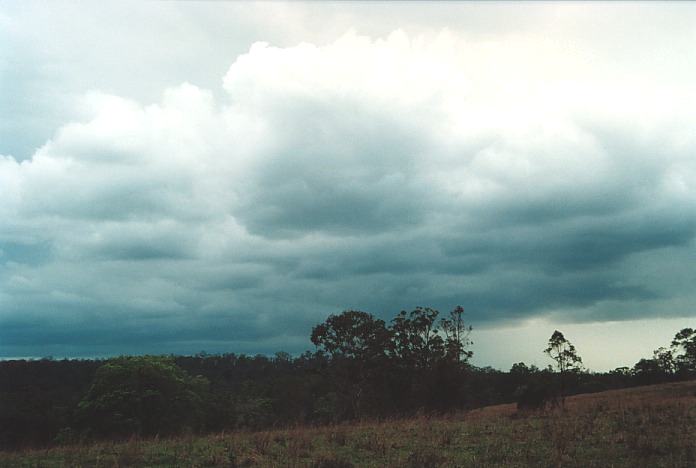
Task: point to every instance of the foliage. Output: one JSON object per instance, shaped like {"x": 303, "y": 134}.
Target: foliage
{"x": 38, "y": 398}
{"x": 563, "y": 353}
{"x": 380, "y": 370}
{"x": 142, "y": 395}
{"x": 457, "y": 335}
{"x": 642, "y": 427}
{"x": 416, "y": 341}
{"x": 676, "y": 362}
{"x": 357, "y": 344}
{"x": 665, "y": 361}
{"x": 352, "y": 335}
{"x": 566, "y": 360}
{"x": 362, "y": 368}
{"x": 684, "y": 347}
{"x": 535, "y": 395}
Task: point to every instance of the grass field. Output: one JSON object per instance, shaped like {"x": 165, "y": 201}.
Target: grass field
{"x": 641, "y": 427}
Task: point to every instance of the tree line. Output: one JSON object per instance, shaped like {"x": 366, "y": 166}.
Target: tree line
{"x": 361, "y": 367}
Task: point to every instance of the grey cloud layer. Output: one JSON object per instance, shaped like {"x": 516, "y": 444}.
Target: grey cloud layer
{"x": 375, "y": 174}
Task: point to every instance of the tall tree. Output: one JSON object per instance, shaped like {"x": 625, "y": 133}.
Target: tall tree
{"x": 416, "y": 342}
{"x": 352, "y": 334}
{"x": 684, "y": 346}
{"x": 563, "y": 353}
{"x": 565, "y": 357}
{"x": 665, "y": 360}
{"x": 457, "y": 336}
{"x": 356, "y": 343}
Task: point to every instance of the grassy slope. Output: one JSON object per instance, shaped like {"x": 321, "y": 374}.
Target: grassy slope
{"x": 647, "y": 426}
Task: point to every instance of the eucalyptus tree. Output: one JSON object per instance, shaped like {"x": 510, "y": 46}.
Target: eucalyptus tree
{"x": 684, "y": 350}
{"x": 356, "y": 344}
{"x": 457, "y": 334}
{"x": 565, "y": 357}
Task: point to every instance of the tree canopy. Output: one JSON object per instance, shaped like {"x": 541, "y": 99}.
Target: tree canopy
{"x": 143, "y": 395}
{"x": 563, "y": 353}
{"x": 362, "y": 367}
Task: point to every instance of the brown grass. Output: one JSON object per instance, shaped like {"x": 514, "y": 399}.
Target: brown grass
{"x": 651, "y": 426}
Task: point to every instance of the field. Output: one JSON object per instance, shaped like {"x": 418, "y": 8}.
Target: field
{"x": 649, "y": 426}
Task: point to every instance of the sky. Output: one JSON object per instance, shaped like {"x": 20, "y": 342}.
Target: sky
{"x": 221, "y": 176}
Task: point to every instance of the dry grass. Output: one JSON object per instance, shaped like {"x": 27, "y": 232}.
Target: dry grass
{"x": 642, "y": 427}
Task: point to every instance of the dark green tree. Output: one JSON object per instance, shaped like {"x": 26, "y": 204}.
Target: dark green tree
{"x": 429, "y": 358}
{"x": 352, "y": 334}
{"x": 142, "y": 395}
{"x": 356, "y": 343}
{"x": 665, "y": 360}
{"x": 416, "y": 342}
{"x": 520, "y": 374}
{"x": 684, "y": 348}
{"x": 648, "y": 371}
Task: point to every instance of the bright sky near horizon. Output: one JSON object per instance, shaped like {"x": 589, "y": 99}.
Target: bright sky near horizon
{"x": 221, "y": 176}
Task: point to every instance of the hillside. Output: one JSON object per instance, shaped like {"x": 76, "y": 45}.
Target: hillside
{"x": 647, "y": 426}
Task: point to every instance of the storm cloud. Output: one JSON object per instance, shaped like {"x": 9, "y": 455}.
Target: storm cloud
{"x": 511, "y": 176}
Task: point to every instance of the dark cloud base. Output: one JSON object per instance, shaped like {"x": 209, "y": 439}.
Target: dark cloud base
{"x": 237, "y": 222}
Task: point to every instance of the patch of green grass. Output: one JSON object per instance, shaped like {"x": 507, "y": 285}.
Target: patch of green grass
{"x": 649, "y": 426}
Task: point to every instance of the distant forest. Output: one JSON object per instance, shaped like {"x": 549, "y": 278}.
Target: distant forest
{"x": 362, "y": 368}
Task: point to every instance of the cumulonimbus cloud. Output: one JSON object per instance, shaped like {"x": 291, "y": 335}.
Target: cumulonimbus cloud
{"x": 514, "y": 177}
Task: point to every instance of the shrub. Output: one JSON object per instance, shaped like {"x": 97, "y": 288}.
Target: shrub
{"x": 142, "y": 395}
{"x": 535, "y": 396}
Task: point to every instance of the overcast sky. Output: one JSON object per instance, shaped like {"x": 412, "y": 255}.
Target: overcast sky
{"x": 222, "y": 176}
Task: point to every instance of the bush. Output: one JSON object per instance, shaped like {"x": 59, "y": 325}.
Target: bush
{"x": 142, "y": 395}
{"x": 535, "y": 396}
